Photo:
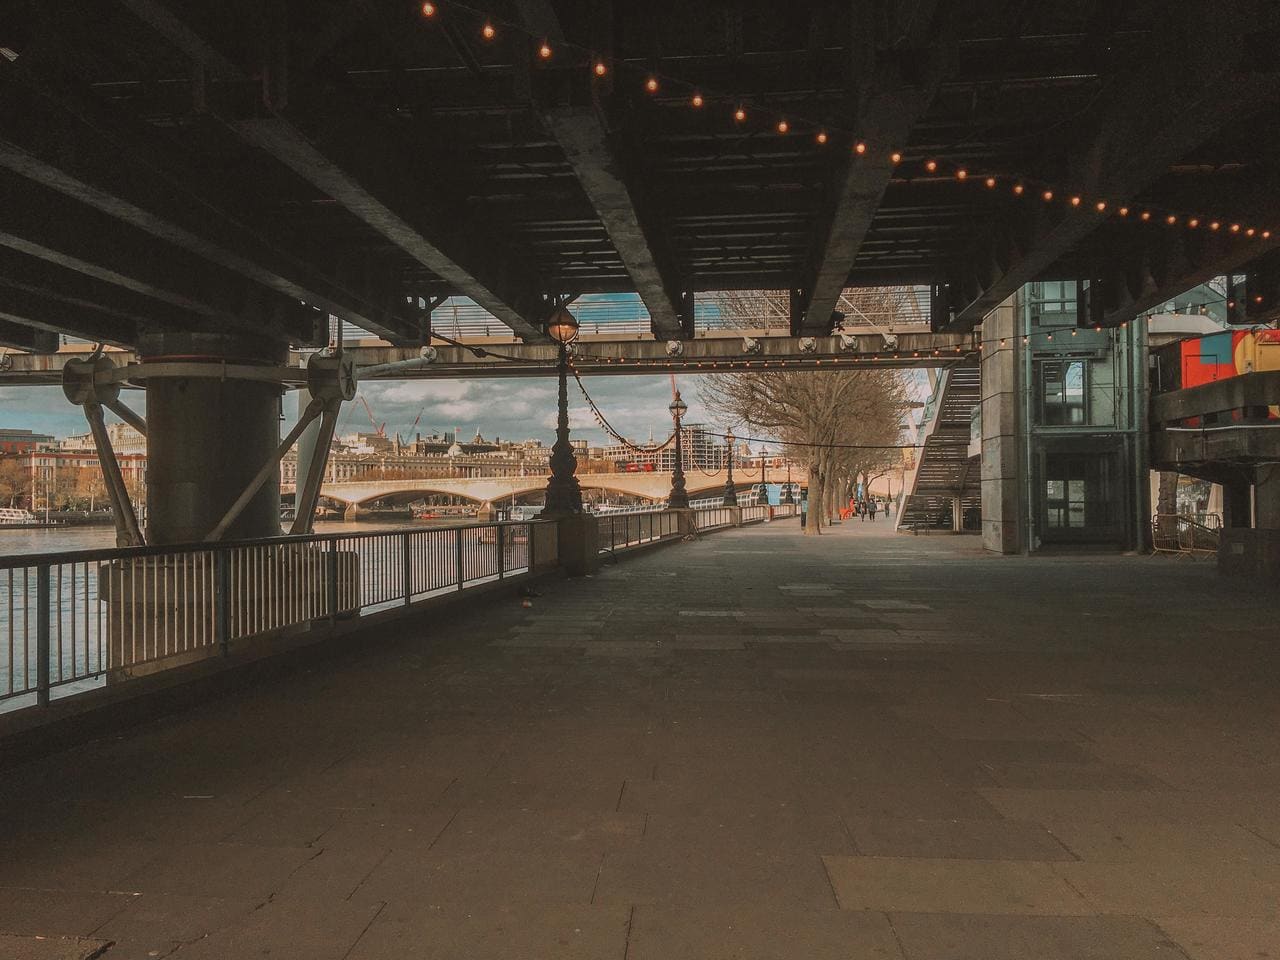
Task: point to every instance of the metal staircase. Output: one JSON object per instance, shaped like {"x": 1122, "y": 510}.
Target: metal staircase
{"x": 943, "y": 469}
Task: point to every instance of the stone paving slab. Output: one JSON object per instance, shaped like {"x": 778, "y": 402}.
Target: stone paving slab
{"x": 870, "y": 746}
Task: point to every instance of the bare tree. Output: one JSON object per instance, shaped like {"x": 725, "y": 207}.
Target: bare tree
{"x": 840, "y": 424}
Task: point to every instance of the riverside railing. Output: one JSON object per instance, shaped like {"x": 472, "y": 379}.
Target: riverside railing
{"x": 70, "y": 622}
{"x": 619, "y": 531}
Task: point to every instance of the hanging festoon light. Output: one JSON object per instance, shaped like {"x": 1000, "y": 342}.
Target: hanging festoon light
{"x": 962, "y": 174}
{"x": 990, "y": 183}
{"x": 895, "y": 157}
{"x": 428, "y": 10}
{"x": 1075, "y": 201}
{"x": 1019, "y": 189}
{"x": 821, "y": 137}
{"x": 488, "y": 31}
{"x": 1047, "y": 196}
{"x": 1145, "y": 215}
{"x": 696, "y": 100}
{"x": 600, "y": 68}
{"x": 860, "y": 148}
{"x": 783, "y": 126}
{"x": 1123, "y": 211}
{"x": 739, "y": 115}
{"x": 1193, "y": 223}
{"x": 931, "y": 165}
{"x": 1100, "y": 206}
{"x": 651, "y": 84}
{"x": 544, "y": 50}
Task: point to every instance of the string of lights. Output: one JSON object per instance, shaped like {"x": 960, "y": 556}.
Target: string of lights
{"x": 607, "y": 427}
{"x": 914, "y": 170}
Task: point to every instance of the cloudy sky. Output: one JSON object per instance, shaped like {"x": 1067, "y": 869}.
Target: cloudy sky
{"x": 518, "y": 409}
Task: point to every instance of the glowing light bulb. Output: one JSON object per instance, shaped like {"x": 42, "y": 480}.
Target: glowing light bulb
{"x": 962, "y": 174}
{"x": 990, "y": 182}
{"x": 821, "y": 136}
{"x": 1171, "y": 219}
{"x": 488, "y": 32}
{"x": 600, "y": 68}
{"x": 1019, "y": 189}
{"x": 1146, "y": 214}
{"x": 1235, "y": 228}
{"x": 1100, "y": 206}
{"x": 1047, "y": 196}
{"x": 1075, "y": 201}
{"x": 544, "y": 51}
{"x": 859, "y": 148}
{"x": 1249, "y": 232}
{"x": 895, "y": 157}
{"x": 1214, "y": 225}
{"x": 697, "y": 100}
{"x": 1266, "y": 234}
{"x": 428, "y": 9}
{"x": 1193, "y": 223}
{"x": 1123, "y": 211}
{"x": 739, "y": 114}
{"x": 931, "y": 165}
{"x": 783, "y": 126}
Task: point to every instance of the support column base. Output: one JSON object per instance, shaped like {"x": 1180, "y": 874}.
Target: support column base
{"x": 579, "y": 543}
{"x": 1250, "y": 555}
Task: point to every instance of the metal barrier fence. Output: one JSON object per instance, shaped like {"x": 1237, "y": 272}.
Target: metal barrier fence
{"x": 1186, "y": 536}
{"x": 714, "y": 517}
{"x": 632, "y": 529}
{"x": 755, "y": 513}
{"x": 72, "y": 621}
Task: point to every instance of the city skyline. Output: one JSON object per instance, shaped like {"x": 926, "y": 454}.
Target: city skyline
{"x": 517, "y": 409}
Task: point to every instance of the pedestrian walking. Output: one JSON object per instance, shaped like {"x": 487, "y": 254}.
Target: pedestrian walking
{"x": 871, "y": 509}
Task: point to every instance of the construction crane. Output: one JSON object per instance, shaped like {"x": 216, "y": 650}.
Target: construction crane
{"x": 380, "y": 430}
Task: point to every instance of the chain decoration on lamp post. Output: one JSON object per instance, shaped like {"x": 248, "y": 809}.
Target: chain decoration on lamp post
{"x": 679, "y": 497}
{"x": 730, "y": 491}
{"x": 564, "y": 496}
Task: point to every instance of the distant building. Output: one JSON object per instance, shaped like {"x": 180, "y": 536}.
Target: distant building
{"x": 701, "y": 451}
{"x": 124, "y": 439}
{"x": 16, "y": 440}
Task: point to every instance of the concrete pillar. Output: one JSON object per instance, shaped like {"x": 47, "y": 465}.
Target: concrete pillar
{"x": 1266, "y": 498}
{"x": 207, "y": 437}
{"x": 957, "y": 515}
{"x": 579, "y": 543}
{"x": 1237, "y": 505}
{"x": 1002, "y": 432}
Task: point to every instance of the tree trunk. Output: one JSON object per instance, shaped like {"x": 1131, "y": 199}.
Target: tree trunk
{"x": 1167, "y": 493}
{"x": 813, "y": 523}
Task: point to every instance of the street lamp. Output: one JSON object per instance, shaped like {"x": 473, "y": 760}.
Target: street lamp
{"x": 563, "y": 493}
{"x": 763, "y": 498}
{"x": 786, "y": 491}
{"x": 678, "y": 498}
{"x": 730, "y": 492}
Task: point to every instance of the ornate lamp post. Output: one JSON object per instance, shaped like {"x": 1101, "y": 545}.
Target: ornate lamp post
{"x": 763, "y": 498}
{"x": 786, "y": 491}
{"x": 730, "y": 491}
{"x": 678, "y": 498}
{"x": 563, "y": 493}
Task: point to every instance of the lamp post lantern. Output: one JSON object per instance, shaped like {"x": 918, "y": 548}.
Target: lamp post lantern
{"x": 730, "y": 491}
{"x": 786, "y": 491}
{"x": 679, "y": 497}
{"x": 763, "y": 498}
{"x": 564, "y": 496}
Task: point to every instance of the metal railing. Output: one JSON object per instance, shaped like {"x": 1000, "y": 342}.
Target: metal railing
{"x": 714, "y": 517}
{"x": 756, "y": 513}
{"x": 74, "y": 621}
{"x": 1185, "y": 535}
{"x": 619, "y": 531}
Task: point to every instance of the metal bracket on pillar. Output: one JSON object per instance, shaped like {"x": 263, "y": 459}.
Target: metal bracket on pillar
{"x": 331, "y": 379}
{"x": 89, "y": 383}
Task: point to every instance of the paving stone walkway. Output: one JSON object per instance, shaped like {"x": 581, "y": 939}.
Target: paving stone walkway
{"x": 754, "y": 746}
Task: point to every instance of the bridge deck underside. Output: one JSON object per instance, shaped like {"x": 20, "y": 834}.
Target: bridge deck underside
{"x": 173, "y": 164}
